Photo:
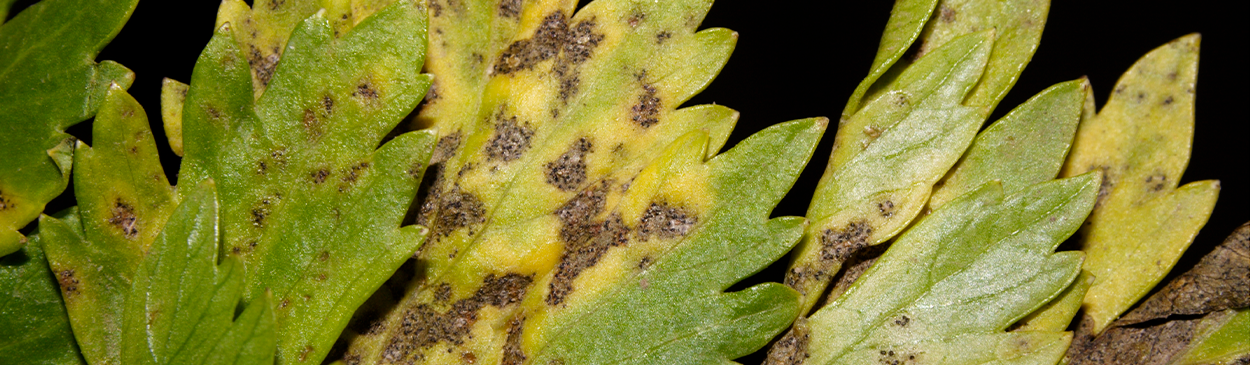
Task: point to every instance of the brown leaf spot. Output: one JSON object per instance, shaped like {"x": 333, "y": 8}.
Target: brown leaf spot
{"x": 458, "y": 209}
{"x": 365, "y": 90}
{"x": 446, "y": 147}
{"x": 422, "y": 326}
{"x": 512, "y": 354}
{"x": 510, "y": 9}
{"x": 510, "y": 139}
{"x": 319, "y": 176}
{"x": 838, "y": 245}
{"x": 568, "y": 172}
{"x": 585, "y": 243}
{"x": 124, "y": 219}
{"x": 886, "y": 208}
{"x": 5, "y": 203}
{"x": 646, "y": 112}
{"x": 947, "y": 14}
{"x": 69, "y": 283}
{"x": 791, "y": 349}
{"x": 663, "y": 36}
{"x": 665, "y": 222}
{"x": 263, "y": 66}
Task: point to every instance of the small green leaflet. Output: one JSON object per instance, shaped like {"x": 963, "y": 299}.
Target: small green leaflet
{"x": 32, "y": 315}
{"x": 947, "y": 289}
{"x": 49, "y": 82}
{"x": 908, "y": 122}
{"x": 181, "y": 308}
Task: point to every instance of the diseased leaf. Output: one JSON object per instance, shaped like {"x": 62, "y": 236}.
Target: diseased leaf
{"x": 947, "y": 288}
{"x": 32, "y": 315}
{"x": 1140, "y": 143}
{"x": 908, "y": 122}
{"x": 885, "y": 160}
{"x": 1191, "y": 320}
{"x": 309, "y": 201}
{"x": 181, "y": 307}
{"x": 49, "y": 81}
{"x": 578, "y": 217}
{"x": 1025, "y": 147}
{"x": 124, "y": 200}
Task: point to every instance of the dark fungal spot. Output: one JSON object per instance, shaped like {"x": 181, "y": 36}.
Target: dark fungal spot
{"x": 544, "y": 45}
{"x": 458, "y": 209}
{"x": 510, "y": 9}
{"x": 791, "y": 349}
{"x": 1120, "y": 89}
{"x": 263, "y": 66}
{"x": 443, "y": 292}
{"x": 512, "y": 354}
{"x": 644, "y": 263}
{"x": 352, "y": 174}
{"x": 1141, "y": 96}
{"x": 5, "y": 203}
{"x": 581, "y": 255}
{"x": 303, "y": 355}
{"x": 947, "y": 14}
{"x": 1168, "y": 100}
{"x": 260, "y": 212}
{"x": 664, "y": 222}
{"x": 276, "y": 4}
{"x": 886, "y": 208}
{"x": 327, "y": 103}
{"x": 891, "y": 357}
{"x": 568, "y": 171}
{"x": 311, "y": 123}
{"x": 662, "y": 36}
{"x": 646, "y": 112}
{"x": 446, "y": 147}
{"x": 69, "y": 283}
{"x": 578, "y": 213}
{"x": 1105, "y": 186}
{"x": 635, "y": 18}
{"x": 319, "y": 176}
{"x": 435, "y": 7}
{"x": 261, "y": 167}
{"x": 365, "y": 90}
{"x": 1156, "y": 182}
{"x": 510, "y": 139}
{"x": 902, "y": 321}
{"x": 859, "y": 262}
{"x": 422, "y": 326}
{"x": 569, "y": 86}
{"x": 124, "y": 219}
{"x": 838, "y": 245}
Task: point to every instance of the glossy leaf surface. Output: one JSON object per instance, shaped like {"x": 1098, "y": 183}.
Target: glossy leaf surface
{"x": 49, "y": 81}
{"x": 181, "y": 307}
{"x": 948, "y": 287}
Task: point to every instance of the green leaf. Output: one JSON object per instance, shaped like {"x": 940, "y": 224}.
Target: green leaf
{"x": 309, "y": 201}
{"x": 1140, "y": 142}
{"x": 1018, "y": 29}
{"x": 1025, "y": 147}
{"x": 32, "y": 316}
{"x": 49, "y": 82}
{"x": 886, "y": 159}
{"x": 181, "y": 308}
{"x": 124, "y": 201}
{"x": 1222, "y": 343}
{"x": 570, "y": 183}
{"x": 948, "y": 287}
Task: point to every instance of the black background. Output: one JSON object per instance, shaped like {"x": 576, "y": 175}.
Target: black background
{"x": 803, "y": 58}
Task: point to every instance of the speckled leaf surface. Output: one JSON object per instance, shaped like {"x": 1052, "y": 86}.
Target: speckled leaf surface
{"x": 49, "y": 81}
{"x": 181, "y": 308}
{"x": 32, "y": 315}
{"x": 1140, "y": 141}
{"x": 124, "y": 200}
{"x": 309, "y": 201}
{"x": 945, "y": 291}
{"x": 569, "y": 184}
{"x": 908, "y": 123}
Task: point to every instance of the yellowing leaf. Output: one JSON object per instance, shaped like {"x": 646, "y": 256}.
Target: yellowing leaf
{"x": 1140, "y": 142}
